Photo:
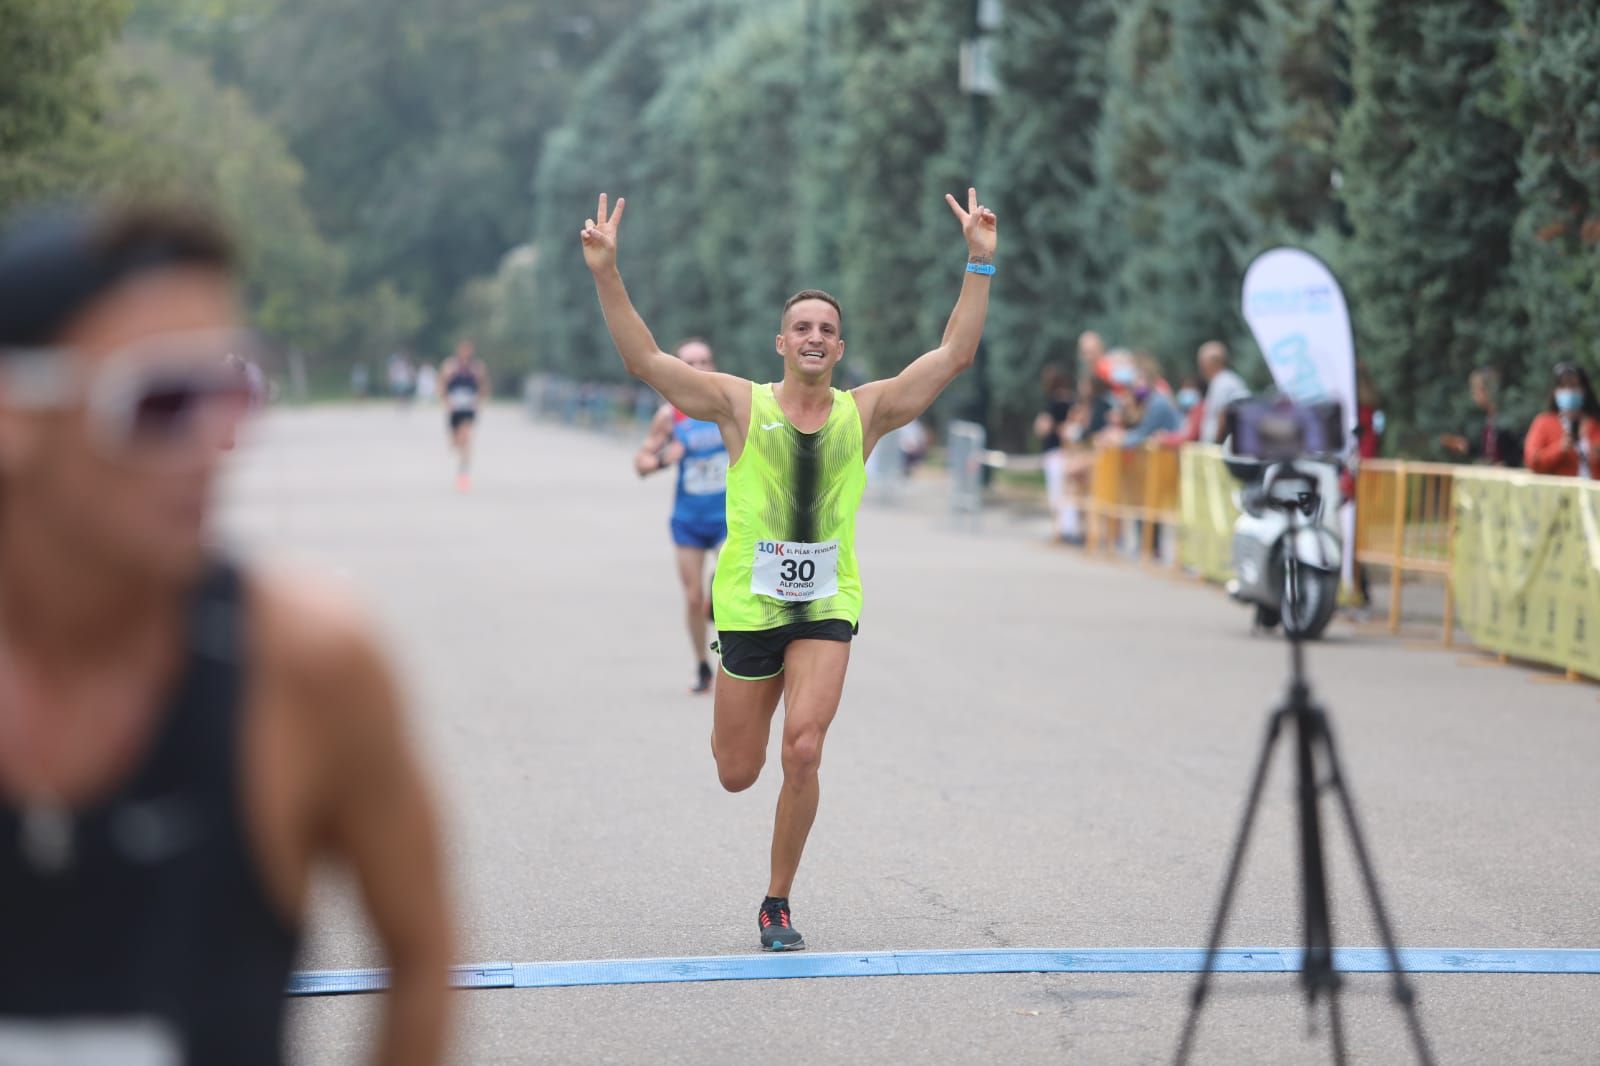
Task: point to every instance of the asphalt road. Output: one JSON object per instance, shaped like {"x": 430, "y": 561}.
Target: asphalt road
{"x": 1034, "y": 750}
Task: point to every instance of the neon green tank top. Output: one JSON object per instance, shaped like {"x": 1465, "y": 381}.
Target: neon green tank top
{"x": 790, "y": 555}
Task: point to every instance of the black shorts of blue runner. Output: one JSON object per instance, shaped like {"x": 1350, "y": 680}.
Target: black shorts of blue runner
{"x": 756, "y": 655}
{"x": 466, "y": 416}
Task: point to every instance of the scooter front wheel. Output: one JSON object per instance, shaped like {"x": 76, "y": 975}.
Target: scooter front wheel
{"x": 1315, "y": 595}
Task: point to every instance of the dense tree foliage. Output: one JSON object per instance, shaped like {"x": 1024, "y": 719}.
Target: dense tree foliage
{"x": 50, "y": 94}
{"x": 1552, "y": 63}
{"x": 404, "y": 171}
{"x": 1430, "y": 182}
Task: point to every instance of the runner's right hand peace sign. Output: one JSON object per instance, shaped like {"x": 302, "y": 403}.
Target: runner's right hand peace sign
{"x": 600, "y": 236}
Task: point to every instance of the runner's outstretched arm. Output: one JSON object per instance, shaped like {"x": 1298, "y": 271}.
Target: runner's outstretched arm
{"x": 707, "y": 396}
{"x": 889, "y": 404}
{"x": 649, "y": 458}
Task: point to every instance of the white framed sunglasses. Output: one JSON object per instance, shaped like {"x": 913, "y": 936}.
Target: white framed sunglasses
{"x": 149, "y": 395}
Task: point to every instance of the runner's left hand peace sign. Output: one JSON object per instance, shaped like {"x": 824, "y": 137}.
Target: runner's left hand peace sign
{"x": 977, "y": 223}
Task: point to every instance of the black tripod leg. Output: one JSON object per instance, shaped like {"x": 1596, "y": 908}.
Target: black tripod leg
{"x": 1317, "y": 974}
{"x": 1220, "y": 923}
{"x": 1336, "y": 1026}
{"x": 1403, "y": 993}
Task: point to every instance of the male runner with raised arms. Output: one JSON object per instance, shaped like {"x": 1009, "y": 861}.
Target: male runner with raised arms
{"x": 466, "y": 385}
{"x": 787, "y": 590}
{"x": 698, "y": 523}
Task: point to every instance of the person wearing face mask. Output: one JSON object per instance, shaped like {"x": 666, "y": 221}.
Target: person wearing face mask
{"x": 1565, "y": 439}
{"x": 1149, "y": 412}
{"x": 1190, "y": 402}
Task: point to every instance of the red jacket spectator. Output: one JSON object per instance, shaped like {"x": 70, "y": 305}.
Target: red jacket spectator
{"x": 1552, "y": 449}
{"x": 1565, "y": 439}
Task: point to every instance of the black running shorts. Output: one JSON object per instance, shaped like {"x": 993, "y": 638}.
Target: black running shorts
{"x": 462, "y": 417}
{"x": 755, "y": 655}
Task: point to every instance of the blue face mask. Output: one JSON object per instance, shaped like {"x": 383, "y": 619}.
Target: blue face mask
{"x": 1187, "y": 398}
{"x": 1569, "y": 401}
{"x": 1124, "y": 376}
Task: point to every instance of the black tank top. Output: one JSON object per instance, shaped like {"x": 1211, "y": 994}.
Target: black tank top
{"x": 157, "y": 930}
{"x": 461, "y": 387}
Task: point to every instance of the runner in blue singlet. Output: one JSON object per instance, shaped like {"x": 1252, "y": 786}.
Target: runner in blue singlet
{"x": 698, "y": 523}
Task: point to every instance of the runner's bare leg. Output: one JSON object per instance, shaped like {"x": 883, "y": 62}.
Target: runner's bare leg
{"x": 813, "y": 684}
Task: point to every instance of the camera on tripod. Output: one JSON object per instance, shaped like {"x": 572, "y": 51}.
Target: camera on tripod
{"x": 1287, "y": 559}
{"x": 1280, "y": 430}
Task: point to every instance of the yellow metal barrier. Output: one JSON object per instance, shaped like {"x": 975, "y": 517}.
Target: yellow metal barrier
{"x": 1405, "y": 520}
{"x": 1207, "y": 510}
{"x": 1132, "y": 485}
{"x": 1520, "y": 553}
{"x": 1526, "y": 567}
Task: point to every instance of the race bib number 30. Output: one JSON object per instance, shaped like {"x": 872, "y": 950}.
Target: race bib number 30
{"x": 794, "y": 571}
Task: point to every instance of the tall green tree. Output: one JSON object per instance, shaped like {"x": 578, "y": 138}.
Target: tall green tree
{"x": 630, "y": 130}
{"x": 1429, "y": 180}
{"x": 1054, "y": 70}
{"x": 1551, "y": 57}
{"x": 1206, "y": 231}
{"x": 905, "y": 130}
{"x": 1133, "y": 167}
{"x": 418, "y": 122}
{"x": 179, "y": 134}
{"x": 50, "y": 95}
{"x": 1284, "y": 189}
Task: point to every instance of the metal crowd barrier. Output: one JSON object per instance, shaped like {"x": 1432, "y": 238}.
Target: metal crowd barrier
{"x": 1405, "y": 520}
{"x": 1132, "y": 485}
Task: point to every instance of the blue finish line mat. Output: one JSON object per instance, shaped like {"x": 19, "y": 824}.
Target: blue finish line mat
{"x": 777, "y": 966}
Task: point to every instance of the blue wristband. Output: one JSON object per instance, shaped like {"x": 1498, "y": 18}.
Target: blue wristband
{"x": 980, "y": 268}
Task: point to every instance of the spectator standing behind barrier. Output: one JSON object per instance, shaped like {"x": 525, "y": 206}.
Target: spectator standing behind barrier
{"x": 1049, "y": 427}
{"x": 1091, "y": 350}
{"x": 1148, "y": 411}
{"x": 1370, "y": 419}
{"x": 401, "y": 377}
{"x": 1490, "y": 443}
{"x": 1090, "y": 415}
{"x": 1150, "y": 368}
{"x": 1223, "y": 387}
{"x": 1565, "y": 439}
{"x": 1193, "y": 410}
{"x": 427, "y": 384}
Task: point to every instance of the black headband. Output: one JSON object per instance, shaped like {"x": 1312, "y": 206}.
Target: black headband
{"x": 56, "y": 261}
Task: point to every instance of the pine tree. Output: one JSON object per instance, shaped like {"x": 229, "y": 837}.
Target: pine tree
{"x": 1552, "y": 59}
{"x": 1206, "y": 233}
{"x": 1429, "y": 180}
{"x": 1133, "y": 165}
{"x": 1287, "y": 152}
{"x": 1053, "y": 68}
{"x": 903, "y": 132}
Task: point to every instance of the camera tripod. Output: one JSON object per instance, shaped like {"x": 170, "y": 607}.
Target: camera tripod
{"x": 1316, "y": 769}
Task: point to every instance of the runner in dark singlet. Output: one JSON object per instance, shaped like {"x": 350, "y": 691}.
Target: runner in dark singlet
{"x": 180, "y": 740}
{"x": 465, "y": 386}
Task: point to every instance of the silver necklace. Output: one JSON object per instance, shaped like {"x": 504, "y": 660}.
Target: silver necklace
{"x": 46, "y": 836}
